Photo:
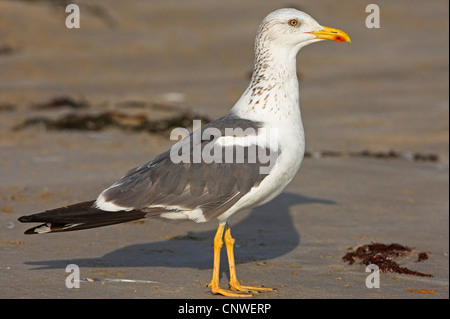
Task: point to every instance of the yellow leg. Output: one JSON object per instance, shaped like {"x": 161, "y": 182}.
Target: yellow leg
{"x": 215, "y": 287}
{"x": 234, "y": 283}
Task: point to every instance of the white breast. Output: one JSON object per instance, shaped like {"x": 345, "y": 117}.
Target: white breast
{"x": 292, "y": 146}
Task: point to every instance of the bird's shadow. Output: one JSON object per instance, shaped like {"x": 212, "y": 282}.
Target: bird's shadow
{"x": 266, "y": 233}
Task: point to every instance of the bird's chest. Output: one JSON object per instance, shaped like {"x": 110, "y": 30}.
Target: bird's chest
{"x": 288, "y": 163}
{"x": 291, "y": 150}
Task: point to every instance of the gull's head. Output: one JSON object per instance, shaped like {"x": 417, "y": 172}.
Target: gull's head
{"x": 293, "y": 29}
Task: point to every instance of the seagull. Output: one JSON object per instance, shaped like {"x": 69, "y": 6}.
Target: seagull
{"x": 237, "y": 162}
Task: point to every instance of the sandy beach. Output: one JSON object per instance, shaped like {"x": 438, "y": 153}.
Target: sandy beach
{"x": 376, "y": 117}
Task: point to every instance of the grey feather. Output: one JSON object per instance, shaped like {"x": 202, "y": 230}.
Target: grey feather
{"x": 187, "y": 186}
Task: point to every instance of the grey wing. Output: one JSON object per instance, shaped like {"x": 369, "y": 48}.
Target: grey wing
{"x": 197, "y": 191}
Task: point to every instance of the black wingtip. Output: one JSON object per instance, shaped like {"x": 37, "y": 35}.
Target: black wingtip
{"x": 77, "y": 217}
{"x": 41, "y": 229}
{"x": 30, "y": 231}
{"x": 24, "y": 219}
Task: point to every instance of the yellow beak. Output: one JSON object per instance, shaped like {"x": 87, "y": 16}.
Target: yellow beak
{"x": 332, "y": 34}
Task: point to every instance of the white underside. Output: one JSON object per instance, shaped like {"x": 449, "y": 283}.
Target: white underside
{"x": 284, "y": 170}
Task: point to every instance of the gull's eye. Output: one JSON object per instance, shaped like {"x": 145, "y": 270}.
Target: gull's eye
{"x": 293, "y": 22}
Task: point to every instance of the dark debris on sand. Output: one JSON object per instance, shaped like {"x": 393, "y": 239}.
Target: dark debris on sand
{"x": 382, "y": 255}
{"x": 113, "y": 119}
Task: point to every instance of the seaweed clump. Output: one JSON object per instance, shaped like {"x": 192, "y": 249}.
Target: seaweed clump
{"x": 382, "y": 255}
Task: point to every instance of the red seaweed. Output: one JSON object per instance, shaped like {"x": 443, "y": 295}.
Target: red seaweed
{"x": 382, "y": 255}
